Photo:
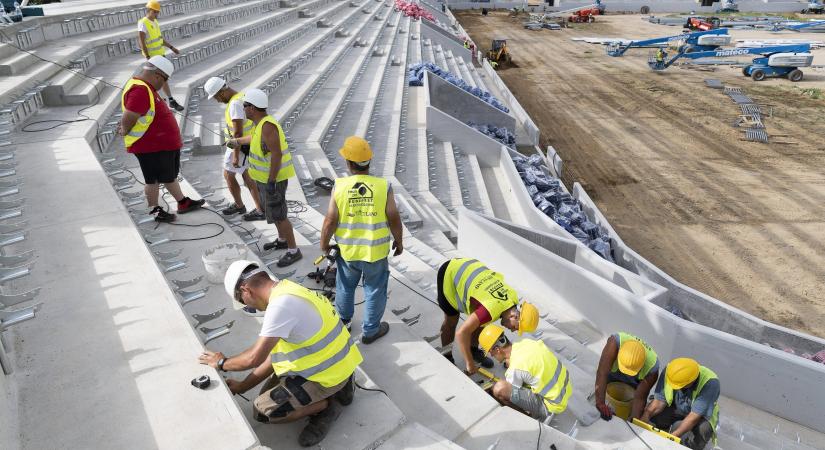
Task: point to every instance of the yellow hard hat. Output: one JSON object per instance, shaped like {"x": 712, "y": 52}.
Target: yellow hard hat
{"x": 632, "y": 357}
{"x": 681, "y": 372}
{"x": 489, "y": 336}
{"x": 528, "y": 319}
{"x": 356, "y": 149}
{"x": 153, "y": 5}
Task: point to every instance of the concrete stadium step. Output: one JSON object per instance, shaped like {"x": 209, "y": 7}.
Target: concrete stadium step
{"x": 444, "y": 182}
{"x": 452, "y": 63}
{"x": 473, "y": 191}
{"x": 437, "y": 214}
{"x": 465, "y": 73}
{"x": 427, "y": 51}
{"x": 499, "y": 192}
{"x": 412, "y": 165}
{"x": 17, "y": 64}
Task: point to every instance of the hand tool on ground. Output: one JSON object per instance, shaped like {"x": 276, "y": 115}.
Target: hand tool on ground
{"x": 653, "y": 429}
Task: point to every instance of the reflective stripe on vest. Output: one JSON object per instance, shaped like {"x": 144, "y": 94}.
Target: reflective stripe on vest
{"x": 154, "y": 37}
{"x": 705, "y": 375}
{"x": 467, "y": 279}
{"x": 259, "y": 160}
{"x": 144, "y": 121}
{"x": 650, "y": 355}
{"x": 363, "y": 232}
{"x": 329, "y": 357}
{"x": 248, "y": 125}
{"x": 535, "y": 358}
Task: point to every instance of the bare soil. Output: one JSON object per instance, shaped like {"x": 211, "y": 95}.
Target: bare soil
{"x": 741, "y": 221}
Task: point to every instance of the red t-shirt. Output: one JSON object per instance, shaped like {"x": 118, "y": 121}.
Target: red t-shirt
{"x": 163, "y": 133}
{"x": 481, "y": 312}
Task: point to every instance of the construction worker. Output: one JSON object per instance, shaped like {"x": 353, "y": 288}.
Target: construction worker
{"x": 151, "y": 42}
{"x": 363, "y": 216}
{"x": 466, "y": 44}
{"x": 660, "y": 55}
{"x": 626, "y": 359}
{"x": 304, "y": 350}
{"x": 686, "y": 402}
{"x": 494, "y": 64}
{"x": 536, "y": 382}
{"x": 469, "y": 287}
{"x": 235, "y": 160}
{"x": 270, "y": 165}
{"x": 151, "y": 133}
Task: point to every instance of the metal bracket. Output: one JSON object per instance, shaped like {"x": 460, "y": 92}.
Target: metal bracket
{"x": 14, "y": 182}
{"x": 7, "y": 173}
{"x": 171, "y": 266}
{"x": 432, "y": 338}
{"x": 411, "y": 319}
{"x": 191, "y": 296}
{"x": 203, "y": 318}
{"x": 9, "y": 204}
{"x": 411, "y": 323}
{"x": 10, "y": 213}
{"x": 183, "y": 284}
{"x": 11, "y": 318}
{"x": 159, "y": 254}
{"x": 7, "y": 300}
{"x": 13, "y": 238}
{"x": 400, "y": 311}
{"x": 9, "y": 191}
{"x": 214, "y": 333}
{"x": 135, "y": 194}
{"x": 15, "y": 260}
{"x": 284, "y": 276}
{"x": 6, "y": 228}
{"x": 13, "y": 273}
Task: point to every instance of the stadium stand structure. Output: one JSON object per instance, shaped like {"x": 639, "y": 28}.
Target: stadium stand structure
{"x": 100, "y": 337}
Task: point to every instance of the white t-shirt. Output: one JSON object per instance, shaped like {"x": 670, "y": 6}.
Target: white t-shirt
{"x": 236, "y": 110}
{"x": 521, "y": 378}
{"x": 142, "y": 27}
{"x": 291, "y": 318}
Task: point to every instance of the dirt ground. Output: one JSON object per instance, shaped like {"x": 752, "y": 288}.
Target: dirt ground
{"x": 741, "y": 221}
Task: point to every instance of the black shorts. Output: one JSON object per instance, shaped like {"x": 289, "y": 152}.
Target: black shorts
{"x": 274, "y": 203}
{"x": 443, "y": 303}
{"x": 159, "y": 167}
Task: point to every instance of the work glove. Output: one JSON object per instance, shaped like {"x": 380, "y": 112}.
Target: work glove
{"x": 604, "y": 411}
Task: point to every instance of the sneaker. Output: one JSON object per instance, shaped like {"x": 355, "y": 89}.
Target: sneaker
{"x": 481, "y": 358}
{"x": 347, "y": 325}
{"x": 383, "y": 329}
{"x": 175, "y": 105}
{"x": 318, "y": 426}
{"x": 161, "y": 215}
{"x": 252, "y": 312}
{"x": 289, "y": 258}
{"x": 277, "y": 244}
{"x": 254, "y": 215}
{"x": 345, "y": 395}
{"x": 233, "y": 209}
{"x": 187, "y": 204}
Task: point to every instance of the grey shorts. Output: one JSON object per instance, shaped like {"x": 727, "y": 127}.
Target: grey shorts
{"x": 274, "y": 203}
{"x": 282, "y": 395}
{"x": 530, "y": 402}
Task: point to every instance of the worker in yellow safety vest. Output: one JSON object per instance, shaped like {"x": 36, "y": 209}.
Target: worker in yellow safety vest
{"x": 629, "y": 360}
{"x": 235, "y": 161}
{"x": 151, "y": 41}
{"x": 270, "y": 165}
{"x": 535, "y": 382}
{"x": 466, "y": 286}
{"x": 364, "y": 218}
{"x": 303, "y": 349}
{"x": 686, "y": 403}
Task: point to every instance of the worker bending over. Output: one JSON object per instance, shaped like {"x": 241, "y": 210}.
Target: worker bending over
{"x": 469, "y": 287}
{"x": 151, "y": 42}
{"x": 536, "y": 382}
{"x": 303, "y": 348}
{"x": 270, "y": 165}
{"x": 235, "y": 161}
{"x": 626, "y": 359}
{"x": 686, "y": 403}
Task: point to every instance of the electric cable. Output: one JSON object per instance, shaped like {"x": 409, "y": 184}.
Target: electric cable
{"x": 637, "y": 435}
{"x": 538, "y": 441}
{"x": 368, "y": 389}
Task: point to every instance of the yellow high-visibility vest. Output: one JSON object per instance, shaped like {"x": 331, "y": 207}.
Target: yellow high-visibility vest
{"x": 467, "y": 278}
{"x": 154, "y": 38}
{"x": 650, "y": 355}
{"x": 143, "y": 121}
{"x": 327, "y": 358}
{"x": 363, "y": 233}
{"x": 554, "y": 380}
{"x": 259, "y": 158}
{"x": 248, "y": 125}
{"x": 705, "y": 375}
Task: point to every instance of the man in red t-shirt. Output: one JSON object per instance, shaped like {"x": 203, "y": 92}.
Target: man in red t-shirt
{"x": 157, "y": 147}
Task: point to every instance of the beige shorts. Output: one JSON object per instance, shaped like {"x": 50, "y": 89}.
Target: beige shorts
{"x": 281, "y": 396}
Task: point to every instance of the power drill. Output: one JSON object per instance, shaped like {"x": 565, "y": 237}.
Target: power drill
{"x": 327, "y": 276}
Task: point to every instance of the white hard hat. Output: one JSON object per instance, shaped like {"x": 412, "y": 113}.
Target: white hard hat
{"x": 213, "y": 85}
{"x": 257, "y": 97}
{"x": 162, "y": 64}
{"x": 235, "y": 273}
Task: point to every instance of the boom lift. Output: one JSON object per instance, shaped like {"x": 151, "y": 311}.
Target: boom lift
{"x": 779, "y": 26}
{"x": 697, "y": 41}
{"x": 814, "y": 7}
{"x": 776, "y": 60}
{"x": 702, "y": 23}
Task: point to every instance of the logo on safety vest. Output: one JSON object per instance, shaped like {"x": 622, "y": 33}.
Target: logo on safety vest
{"x": 499, "y": 291}
{"x": 360, "y": 195}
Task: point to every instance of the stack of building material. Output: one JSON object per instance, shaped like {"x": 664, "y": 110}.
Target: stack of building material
{"x": 415, "y": 77}
{"x": 413, "y": 10}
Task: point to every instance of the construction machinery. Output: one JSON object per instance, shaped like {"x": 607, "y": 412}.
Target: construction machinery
{"x": 779, "y": 26}
{"x": 814, "y": 7}
{"x": 499, "y": 52}
{"x": 586, "y": 15}
{"x": 775, "y": 61}
{"x": 702, "y": 23}
{"x": 698, "y": 41}
{"x": 729, "y": 6}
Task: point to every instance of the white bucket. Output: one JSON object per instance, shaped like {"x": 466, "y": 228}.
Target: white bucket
{"x": 218, "y": 259}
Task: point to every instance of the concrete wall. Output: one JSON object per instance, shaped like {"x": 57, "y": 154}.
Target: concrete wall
{"x": 768, "y": 379}
{"x": 656, "y": 6}
{"x": 464, "y": 106}
{"x": 447, "y": 128}
{"x": 515, "y": 107}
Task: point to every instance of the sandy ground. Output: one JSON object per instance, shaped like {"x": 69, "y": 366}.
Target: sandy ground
{"x": 741, "y": 221}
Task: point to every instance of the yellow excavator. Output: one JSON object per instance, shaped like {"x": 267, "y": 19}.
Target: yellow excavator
{"x": 499, "y": 53}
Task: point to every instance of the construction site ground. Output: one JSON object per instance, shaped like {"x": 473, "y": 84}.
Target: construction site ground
{"x": 658, "y": 153}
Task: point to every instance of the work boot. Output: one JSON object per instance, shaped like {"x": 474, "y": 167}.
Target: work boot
{"x": 481, "y": 358}
{"x": 277, "y": 244}
{"x": 345, "y": 395}
{"x": 289, "y": 258}
{"x": 318, "y": 426}
{"x": 186, "y": 205}
{"x": 383, "y": 329}
{"x": 175, "y": 105}
{"x": 254, "y": 215}
{"x": 161, "y": 215}
{"x": 233, "y": 209}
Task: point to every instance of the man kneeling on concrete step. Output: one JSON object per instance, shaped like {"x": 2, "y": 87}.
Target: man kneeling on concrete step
{"x": 535, "y": 382}
{"x": 304, "y": 350}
